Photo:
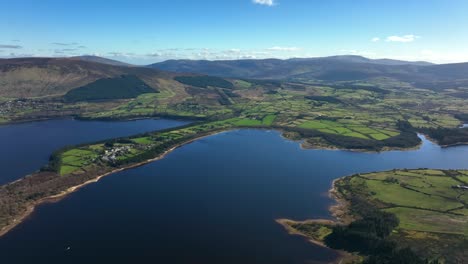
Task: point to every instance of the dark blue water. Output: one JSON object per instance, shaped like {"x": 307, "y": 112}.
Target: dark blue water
{"x": 26, "y": 147}
{"x": 211, "y": 201}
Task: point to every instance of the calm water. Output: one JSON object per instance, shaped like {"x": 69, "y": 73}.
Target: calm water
{"x": 26, "y": 147}
{"x": 211, "y": 201}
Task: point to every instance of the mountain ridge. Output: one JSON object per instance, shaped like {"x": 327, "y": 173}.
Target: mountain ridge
{"x": 334, "y": 68}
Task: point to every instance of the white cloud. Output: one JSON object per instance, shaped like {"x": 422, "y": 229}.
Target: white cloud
{"x": 405, "y": 38}
{"x": 264, "y": 2}
{"x": 429, "y": 55}
{"x": 442, "y": 57}
{"x": 277, "y": 48}
{"x": 376, "y": 39}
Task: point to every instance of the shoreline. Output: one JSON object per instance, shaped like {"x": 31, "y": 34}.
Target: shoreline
{"x": 338, "y": 210}
{"x": 341, "y": 255}
{"x": 57, "y": 197}
{"x": 285, "y": 223}
{"x": 340, "y": 214}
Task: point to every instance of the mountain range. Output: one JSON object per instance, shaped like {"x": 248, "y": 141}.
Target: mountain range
{"x": 39, "y": 77}
{"x": 277, "y": 68}
{"x": 335, "y": 68}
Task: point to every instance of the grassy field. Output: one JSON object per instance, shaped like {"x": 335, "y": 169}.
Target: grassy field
{"x": 431, "y": 221}
{"x": 423, "y": 200}
{"x": 351, "y": 130}
{"x": 433, "y": 216}
{"x": 77, "y": 159}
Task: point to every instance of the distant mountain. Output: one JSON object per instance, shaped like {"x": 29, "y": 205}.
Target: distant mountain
{"x": 335, "y": 68}
{"x": 360, "y": 59}
{"x": 45, "y": 77}
{"x": 40, "y": 77}
{"x": 100, "y": 60}
{"x": 280, "y": 69}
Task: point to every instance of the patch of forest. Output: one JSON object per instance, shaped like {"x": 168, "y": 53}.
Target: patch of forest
{"x": 122, "y": 87}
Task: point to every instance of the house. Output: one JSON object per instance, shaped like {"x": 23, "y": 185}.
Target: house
{"x": 463, "y": 187}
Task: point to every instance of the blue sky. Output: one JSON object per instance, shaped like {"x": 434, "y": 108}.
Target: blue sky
{"x": 149, "y": 31}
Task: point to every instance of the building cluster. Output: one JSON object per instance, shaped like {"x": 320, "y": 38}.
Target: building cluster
{"x": 12, "y": 106}
{"x": 112, "y": 154}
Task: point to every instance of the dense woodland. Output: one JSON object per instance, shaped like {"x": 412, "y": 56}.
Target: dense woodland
{"x": 447, "y": 136}
{"x": 125, "y": 86}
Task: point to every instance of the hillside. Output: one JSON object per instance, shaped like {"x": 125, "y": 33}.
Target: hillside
{"x": 46, "y": 77}
{"x": 102, "y": 60}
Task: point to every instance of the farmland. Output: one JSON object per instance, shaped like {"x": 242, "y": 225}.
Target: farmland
{"x": 431, "y": 211}
{"x": 368, "y": 111}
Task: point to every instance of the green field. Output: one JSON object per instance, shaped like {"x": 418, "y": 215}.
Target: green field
{"x": 432, "y": 215}
{"x": 423, "y": 200}
{"x": 76, "y": 159}
{"x": 430, "y": 221}
{"x": 350, "y": 130}
{"x": 143, "y": 140}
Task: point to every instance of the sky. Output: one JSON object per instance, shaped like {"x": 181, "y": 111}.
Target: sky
{"x": 148, "y": 31}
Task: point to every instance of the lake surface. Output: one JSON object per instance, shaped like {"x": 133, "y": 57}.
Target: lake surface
{"x": 212, "y": 201}
{"x": 26, "y": 147}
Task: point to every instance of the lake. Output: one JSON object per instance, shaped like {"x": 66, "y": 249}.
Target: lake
{"x": 211, "y": 201}
{"x": 27, "y": 146}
